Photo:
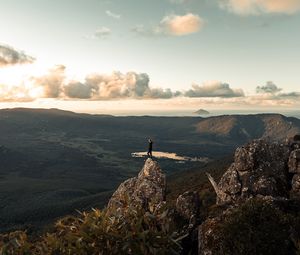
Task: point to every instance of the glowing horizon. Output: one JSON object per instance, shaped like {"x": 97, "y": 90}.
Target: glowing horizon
{"x": 173, "y": 55}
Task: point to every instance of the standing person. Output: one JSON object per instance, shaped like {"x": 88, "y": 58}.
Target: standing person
{"x": 150, "y": 148}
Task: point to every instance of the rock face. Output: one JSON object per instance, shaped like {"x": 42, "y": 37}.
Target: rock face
{"x": 268, "y": 170}
{"x": 147, "y": 190}
{"x": 259, "y": 169}
{"x": 294, "y": 168}
{"x": 294, "y": 162}
{"x": 187, "y": 205}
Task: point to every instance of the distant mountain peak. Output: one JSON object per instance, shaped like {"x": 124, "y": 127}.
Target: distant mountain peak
{"x": 202, "y": 112}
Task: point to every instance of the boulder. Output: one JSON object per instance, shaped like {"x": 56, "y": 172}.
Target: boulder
{"x": 259, "y": 168}
{"x": 187, "y": 205}
{"x": 294, "y": 161}
{"x": 207, "y": 236}
{"x": 296, "y": 183}
{"x": 147, "y": 190}
{"x": 262, "y": 170}
{"x": 210, "y": 234}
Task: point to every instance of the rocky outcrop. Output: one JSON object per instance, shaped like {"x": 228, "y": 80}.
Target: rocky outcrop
{"x": 147, "y": 190}
{"x": 294, "y": 169}
{"x": 187, "y": 205}
{"x": 294, "y": 162}
{"x": 259, "y": 169}
{"x": 269, "y": 171}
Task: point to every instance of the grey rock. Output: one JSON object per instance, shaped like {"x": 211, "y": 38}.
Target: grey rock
{"x": 208, "y": 231}
{"x": 205, "y": 233}
{"x": 296, "y": 183}
{"x": 187, "y": 205}
{"x": 147, "y": 191}
{"x": 259, "y": 168}
{"x": 294, "y": 161}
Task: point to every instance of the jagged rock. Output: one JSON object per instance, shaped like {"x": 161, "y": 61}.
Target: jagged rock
{"x": 188, "y": 204}
{"x": 259, "y": 168}
{"x": 147, "y": 191}
{"x": 294, "y": 161}
{"x": 122, "y": 195}
{"x": 296, "y": 183}
{"x": 209, "y": 235}
{"x": 206, "y": 236}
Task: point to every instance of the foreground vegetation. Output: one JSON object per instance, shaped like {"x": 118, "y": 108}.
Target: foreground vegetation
{"x": 255, "y": 227}
{"x": 96, "y": 232}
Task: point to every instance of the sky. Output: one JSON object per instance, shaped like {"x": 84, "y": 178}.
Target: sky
{"x": 150, "y": 55}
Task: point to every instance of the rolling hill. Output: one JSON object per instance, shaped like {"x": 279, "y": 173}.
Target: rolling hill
{"x": 55, "y": 161}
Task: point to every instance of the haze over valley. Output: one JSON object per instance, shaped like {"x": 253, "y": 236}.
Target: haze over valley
{"x": 55, "y": 161}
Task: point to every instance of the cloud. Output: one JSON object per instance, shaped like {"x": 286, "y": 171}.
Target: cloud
{"x": 272, "y": 94}
{"x": 118, "y": 85}
{"x": 162, "y": 93}
{"x": 76, "y": 89}
{"x": 129, "y": 85}
{"x": 133, "y": 85}
{"x": 10, "y": 56}
{"x": 272, "y": 91}
{"x": 173, "y": 25}
{"x": 214, "y": 89}
{"x": 102, "y": 32}
{"x": 112, "y": 15}
{"x": 52, "y": 82}
{"x": 98, "y": 86}
{"x": 256, "y": 7}
{"x": 270, "y": 87}
{"x": 181, "y": 25}
{"x": 14, "y": 93}
{"x": 292, "y": 95}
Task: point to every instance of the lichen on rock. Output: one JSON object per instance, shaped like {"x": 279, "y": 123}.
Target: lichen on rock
{"x": 147, "y": 190}
{"x": 259, "y": 168}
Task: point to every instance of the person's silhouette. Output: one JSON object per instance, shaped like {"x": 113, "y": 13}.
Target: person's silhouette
{"x": 150, "y": 148}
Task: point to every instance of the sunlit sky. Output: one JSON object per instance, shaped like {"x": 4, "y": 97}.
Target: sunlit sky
{"x": 110, "y": 55}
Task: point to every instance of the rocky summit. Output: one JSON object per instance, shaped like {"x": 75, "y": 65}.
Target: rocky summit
{"x": 147, "y": 190}
{"x": 261, "y": 169}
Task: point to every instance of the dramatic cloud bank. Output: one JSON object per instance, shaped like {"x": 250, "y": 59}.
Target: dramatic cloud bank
{"x": 10, "y": 56}
{"x": 214, "y": 89}
{"x": 256, "y": 7}
{"x": 98, "y": 86}
{"x": 173, "y": 25}
{"x": 134, "y": 86}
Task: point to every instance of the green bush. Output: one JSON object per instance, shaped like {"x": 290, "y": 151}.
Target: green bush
{"x": 255, "y": 227}
{"x": 96, "y": 232}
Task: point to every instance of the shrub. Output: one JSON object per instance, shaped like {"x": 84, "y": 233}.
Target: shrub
{"x": 255, "y": 227}
{"x": 140, "y": 232}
